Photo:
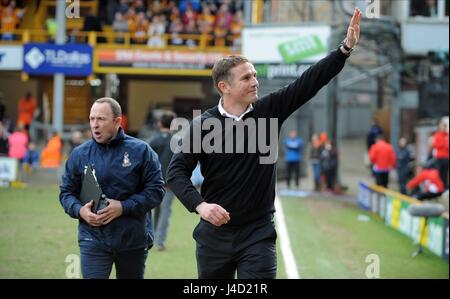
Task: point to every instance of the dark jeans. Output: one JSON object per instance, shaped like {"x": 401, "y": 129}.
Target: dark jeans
{"x": 248, "y": 251}
{"x": 293, "y": 167}
{"x": 403, "y": 178}
{"x": 330, "y": 178}
{"x": 97, "y": 261}
{"x": 442, "y": 165}
{"x": 382, "y": 179}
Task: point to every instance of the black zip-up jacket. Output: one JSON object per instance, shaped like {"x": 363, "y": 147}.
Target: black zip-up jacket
{"x": 239, "y": 182}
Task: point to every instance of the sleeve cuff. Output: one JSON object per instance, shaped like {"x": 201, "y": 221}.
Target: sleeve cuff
{"x": 341, "y": 55}
{"x": 76, "y": 210}
{"x": 195, "y": 204}
{"x": 125, "y": 208}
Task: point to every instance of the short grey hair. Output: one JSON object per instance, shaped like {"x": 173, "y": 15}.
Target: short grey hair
{"x": 115, "y": 106}
{"x": 222, "y": 67}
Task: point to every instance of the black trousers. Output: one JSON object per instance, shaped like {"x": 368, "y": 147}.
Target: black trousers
{"x": 442, "y": 165}
{"x": 293, "y": 167}
{"x": 382, "y": 179}
{"x": 248, "y": 252}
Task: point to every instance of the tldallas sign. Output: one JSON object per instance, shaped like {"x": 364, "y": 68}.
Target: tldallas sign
{"x": 48, "y": 59}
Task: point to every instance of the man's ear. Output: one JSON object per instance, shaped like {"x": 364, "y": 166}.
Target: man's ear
{"x": 118, "y": 121}
{"x": 223, "y": 87}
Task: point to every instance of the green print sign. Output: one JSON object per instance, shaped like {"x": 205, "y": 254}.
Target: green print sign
{"x": 301, "y": 48}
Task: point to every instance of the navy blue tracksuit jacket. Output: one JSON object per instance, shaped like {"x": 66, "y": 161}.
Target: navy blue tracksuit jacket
{"x": 127, "y": 170}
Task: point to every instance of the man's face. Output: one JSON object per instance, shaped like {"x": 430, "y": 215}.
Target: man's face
{"x": 293, "y": 133}
{"x": 243, "y": 85}
{"x": 103, "y": 125}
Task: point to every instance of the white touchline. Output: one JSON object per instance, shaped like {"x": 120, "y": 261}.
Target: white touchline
{"x": 286, "y": 250}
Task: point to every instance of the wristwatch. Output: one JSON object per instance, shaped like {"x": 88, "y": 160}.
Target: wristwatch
{"x": 346, "y": 48}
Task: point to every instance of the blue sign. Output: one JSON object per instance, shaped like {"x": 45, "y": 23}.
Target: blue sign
{"x": 48, "y": 59}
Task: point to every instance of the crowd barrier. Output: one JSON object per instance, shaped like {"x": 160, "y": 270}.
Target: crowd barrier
{"x": 392, "y": 208}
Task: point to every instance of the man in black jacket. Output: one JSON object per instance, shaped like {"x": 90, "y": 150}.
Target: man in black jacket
{"x": 236, "y": 231}
{"x": 160, "y": 143}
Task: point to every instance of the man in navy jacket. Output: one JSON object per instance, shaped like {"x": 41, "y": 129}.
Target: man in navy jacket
{"x": 129, "y": 174}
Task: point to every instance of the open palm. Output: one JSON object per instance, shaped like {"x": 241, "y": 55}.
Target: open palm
{"x": 353, "y": 29}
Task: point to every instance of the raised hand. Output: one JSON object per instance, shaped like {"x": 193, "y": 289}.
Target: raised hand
{"x": 353, "y": 29}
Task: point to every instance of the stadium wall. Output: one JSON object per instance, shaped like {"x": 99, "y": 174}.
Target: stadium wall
{"x": 392, "y": 208}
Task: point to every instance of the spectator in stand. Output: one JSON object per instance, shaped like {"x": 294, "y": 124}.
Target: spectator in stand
{"x": 293, "y": 156}
{"x": 17, "y": 143}
{"x": 50, "y": 23}
{"x": 427, "y": 183}
{"x": 160, "y": 143}
{"x": 237, "y": 23}
{"x": 26, "y": 109}
{"x": 76, "y": 139}
{"x": 92, "y": 23}
{"x": 193, "y": 4}
{"x": 205, "y": 22}
{"x": 74, "y": 35}
{"x": 31, "y": 159}
{"x": 316, "y": 149}
{"x": 156, "y": 31}
{"x": 157, "y": 8}
{"x": 222, "y": 26}
{"x": 383, "y": 158}
{"x": 120, "y": 26}
{"x": 52, "y": 153}
{"x": 440, "y": 151}
{"x": 2, "y": 107}
{"x": 139, "y": 29}
{"x": 10, "y": 19}
{"x": 139, "y": 6}
{"x": 4, "y": 146}
{"x": 175, "y": 29}
{"x": 87, "y": 134}
{"x": 173, "y": 12}
{"x": 404, "y": 160}
{"x": 374, "y": 131}
{"x": 323, "y": 137}
{"x": 329, "y": 165}
{"x": 189, "y": 15}
{"x": 191, "y": 30}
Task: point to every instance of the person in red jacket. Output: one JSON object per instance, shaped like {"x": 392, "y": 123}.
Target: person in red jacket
{"x": 383, "y": 158}
{"x": 427, "y": 183}
{"x": 440, "y": 151}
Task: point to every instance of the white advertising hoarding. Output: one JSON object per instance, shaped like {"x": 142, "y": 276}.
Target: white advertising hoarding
{"x": 287, "y": 45}
{"x": 8, "y": 169}
{"x": 11, "y": 58}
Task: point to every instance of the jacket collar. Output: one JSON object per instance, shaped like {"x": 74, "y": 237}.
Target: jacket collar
{"x": 120, "y": 136}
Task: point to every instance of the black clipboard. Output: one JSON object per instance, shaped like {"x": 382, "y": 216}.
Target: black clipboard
{"x": 90, "y": 190}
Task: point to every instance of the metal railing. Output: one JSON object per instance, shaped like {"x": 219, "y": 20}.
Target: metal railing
{"x": 111, "y": 39}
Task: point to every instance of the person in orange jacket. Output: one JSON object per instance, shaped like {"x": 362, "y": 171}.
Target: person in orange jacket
{"x": 427, "y": 183}
{"x": 383, "y": 158}
{"x": 26, "y": 108}
{"x": 51, "y": 155}
{"x": 440, "y": 151}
